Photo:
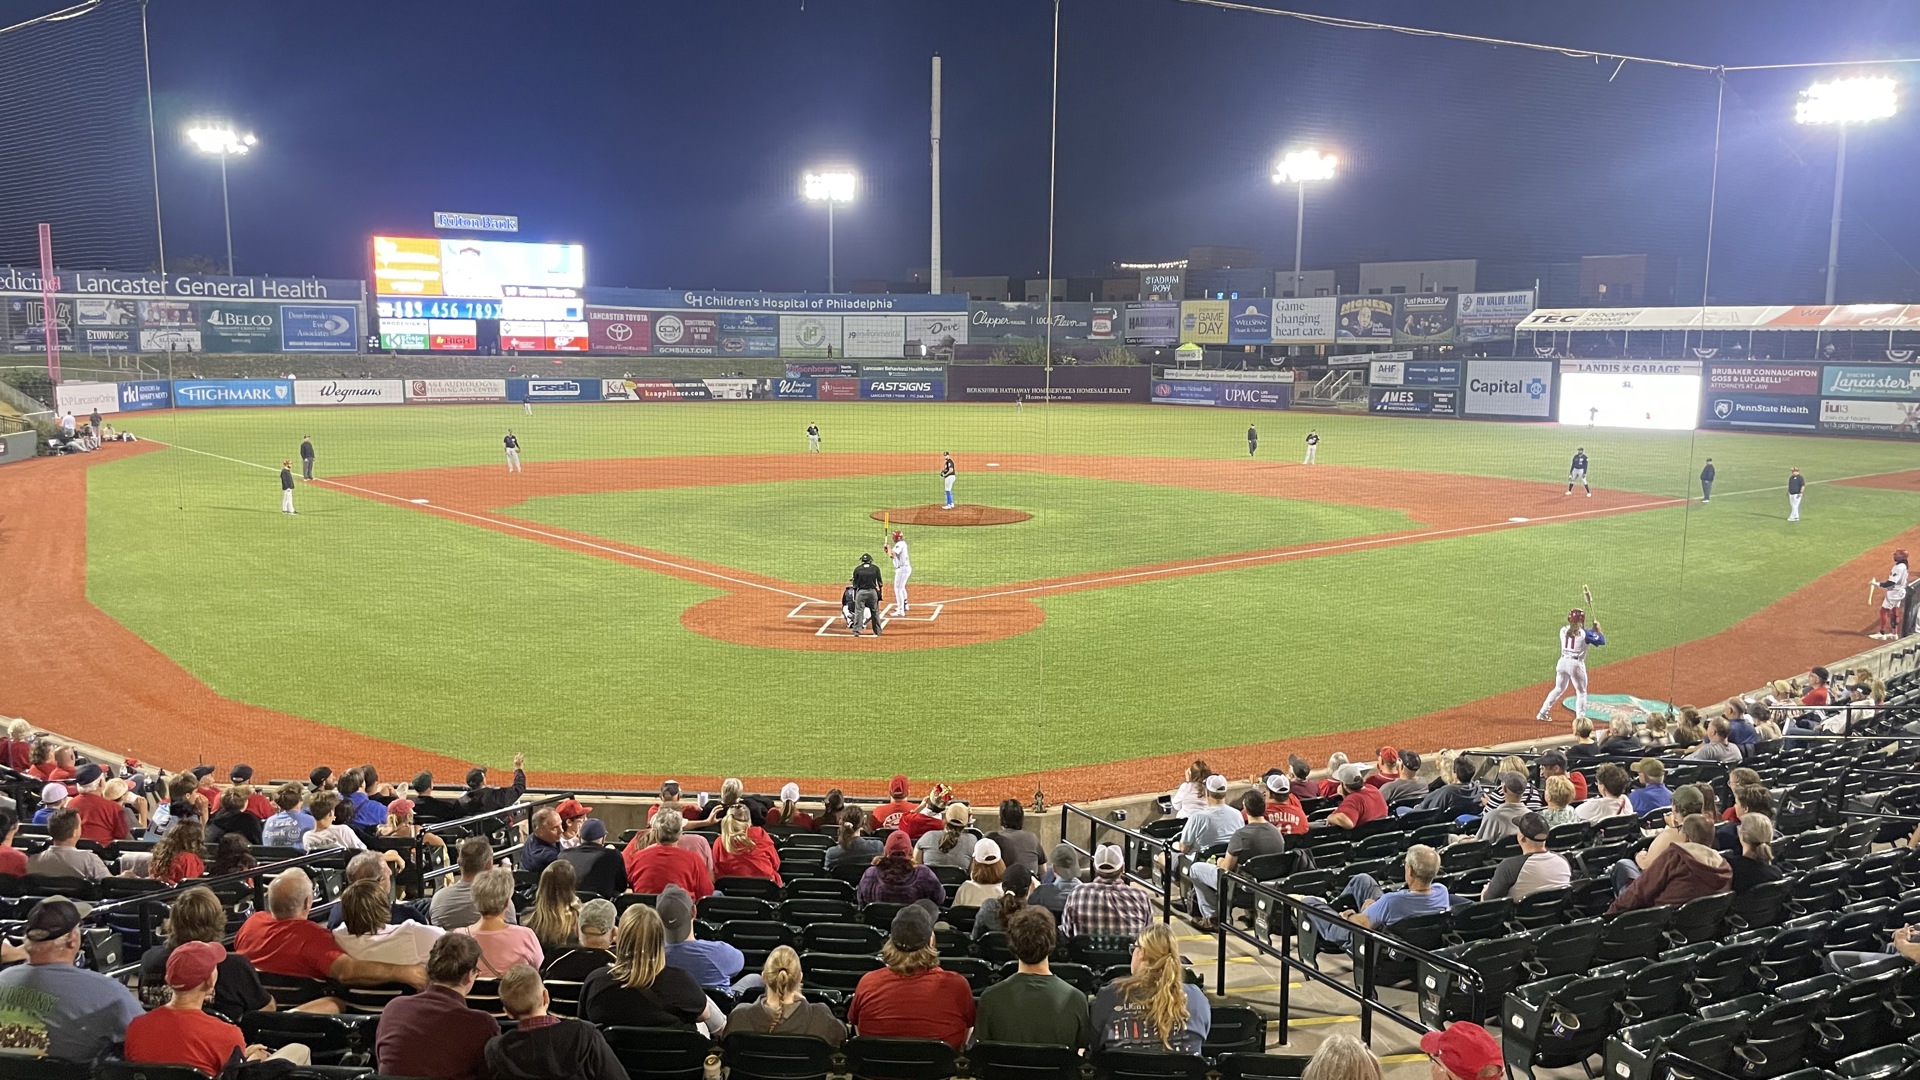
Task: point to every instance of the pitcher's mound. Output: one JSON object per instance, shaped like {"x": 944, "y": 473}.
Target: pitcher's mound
{"x": 962, "y": 514}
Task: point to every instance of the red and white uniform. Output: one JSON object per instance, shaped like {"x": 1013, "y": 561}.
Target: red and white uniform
{"x": 1894, "y": 601}
{"x": 1571, "y": 671}
{"x": 902, "y": 570}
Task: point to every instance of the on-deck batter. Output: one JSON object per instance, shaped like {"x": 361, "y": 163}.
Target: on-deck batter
{"x": 1572, "y": 669}
{"x": 902, "y": 570}
{"x": 1895, "y": 601}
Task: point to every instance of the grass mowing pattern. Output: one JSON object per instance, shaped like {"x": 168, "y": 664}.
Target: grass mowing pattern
{"x": 392, "y": 622}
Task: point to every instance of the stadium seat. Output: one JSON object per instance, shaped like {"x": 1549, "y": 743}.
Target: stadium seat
{"x": 979, "y": 973}
{"x": 1554, "y": 1023}
{"x": 992, "y": 947}
{"x": 565, "y": 995}
{"x": 124, "y": 1070}
{"x": 1478, "y": 920}
{"x": 872, "y": 1058}
{"x": 626, "y": 900}
{"x": 806, "y": 912}
{"x": 1237, "y": 1029}
{"x": 1631, "y": 935}
{"x": 1853, "y": 1018}
{"x": 756, "y": 888}
{"x": 839, "y": 937}
{"x": 718, "y": 909}
{"x": 1022, "y": 1061}
{"x": 1100, "y": 952}
{"x": 1654, "y": 990}
{"x": 16, "y": 1066}
{"x": 659, "y": 1053}
{"x": 1497, "y": 962}
{"x": 1698, "y": 920}
{"x": 359, "y": 999}
{"x": 1544, "y": 907}
{"x": 837, "y": 971}
{"x": 1776, "y": 1040}
{"x": 750, "y": 1056}
{"x": 1263, "y": 1066}
{"x": 1764, "y": 904}
{"x": 1563, "y": 950}
{"x": 755, "y": 938}
{"x": 1391, "y": 968}
{"x": 1149, "y": 1065}
{"x": 289, "y": 991}
{"x": 1860, "y": 928}
{"x": 1726, "y": 971}
{"x": 1571, "y": 836}
{"x": 817, "y": 888}
{"x": 333, "y": 1040}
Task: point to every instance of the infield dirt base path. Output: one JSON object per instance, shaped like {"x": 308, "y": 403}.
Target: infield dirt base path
{"x": 69, "y": 667}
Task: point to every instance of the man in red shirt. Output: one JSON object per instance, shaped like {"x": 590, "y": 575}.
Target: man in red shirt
{"x": 1359, "y": 803}
{"x": 101, "y": 820}
{"x": 283, "y": 941}
{"x": 931, "y": 814}
{"x": 670, "y": 800}
{"x": 887, "y": 815}
{"x": 181, "y": 1032}
{"x": 1284, "y": 811}
{"x": 51, "y": 761}
{"x": 13, "y": 861}
{"x": 257, "y": 803}
{"x": 652, "y": 867}
{"x": 913, "y": 997}
{"x": 1554, "y": 763}
{"x": 1386, "y": 769}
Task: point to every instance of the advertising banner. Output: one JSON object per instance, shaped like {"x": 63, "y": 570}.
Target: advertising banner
{"x": 110, "y": 283}
{"x": 618, "y": 331}
{"x": 811, "y": 335}
{"x": 1304, "y": 320}
{"x": 993, "y": 320}
{"x": 679, "y": 333}
{"x": 779, "y": 303}
{"x": 903, "y": 389}
{"x": 1103, "y": 322}
{"x": 1745, "y": 410}
{"x": 1156, "y": 323}
{"x": 1234, "y": 395}
{"x": 145, "y": 394}
{"x": 1423, "y": 319}
{"x": 1892, "y": 383}
{"x": 838, "y": 389}
{"x": 1013, "y": 382}
{"x": 81, "y": 398}
{"x": 1511, "y": 388}
{"x": 875, "y": 335}
{"x": 1403, "y": 402}
{"x": 553, "y": 389}
{"x": 170, "y": 313}
{"x": 405, "y": 333}
{"x": 800, "y": 389}
{"x": 426, "y": 390}
{"x": 1801, "y": 379}
{"x": 1491, "y": 316}
{"x": 1250, "y": 322}
{"x": 1163, "y": 284}
{"x": 1204, "y": 321}
{"x": 231, "y": 393}
{"x": 934, "y": 331}
{"x": 745, "y": 333}
{"x": 25, "y": 329}
{"x": 731, "y": 389}
{"x": 1874, "y": 417}
{"x": 453, "y": 335}
{"x": 186, "y": 341}
{"x": 104, "y": 338}
{"x": 1414, "y": 373}
{"x": 319, "y": 328}
{"x": 239, "y": 328}
{"x": 94, "y": 312}
{"x": 800, "y": 370}
{"x": 655, "y": 390}
{"x": 903, "y": 371}
{"x": 1366, "y": 318}
{"x": 349, "y": 392}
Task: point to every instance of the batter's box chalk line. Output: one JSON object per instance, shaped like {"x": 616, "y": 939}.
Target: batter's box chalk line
{"x": 835, "y": 624}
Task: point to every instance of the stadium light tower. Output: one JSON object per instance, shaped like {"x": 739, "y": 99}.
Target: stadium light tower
{"x": 1297, "y": 168}
{"x": 830, "y": 188}
{"x": 222, "y": 141}
{"x": 1842, "y": 102}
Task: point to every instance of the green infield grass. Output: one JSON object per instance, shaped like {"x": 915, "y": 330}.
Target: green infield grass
{"x": 381, "y": 619}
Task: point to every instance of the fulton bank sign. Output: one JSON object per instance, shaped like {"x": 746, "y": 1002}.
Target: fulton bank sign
{"x": 14, "y": 279}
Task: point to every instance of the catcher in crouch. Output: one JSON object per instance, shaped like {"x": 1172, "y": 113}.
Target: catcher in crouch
{"x": 1575, "y": 637}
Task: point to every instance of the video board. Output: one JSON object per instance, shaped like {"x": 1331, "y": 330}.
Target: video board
{"x": 473, "y": 269}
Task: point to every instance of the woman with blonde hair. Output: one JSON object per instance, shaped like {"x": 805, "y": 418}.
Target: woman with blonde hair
{"x": 744, "y": 849}
{"x": 1559, "y": 809}
{"x": 1154, "y": 1008}
{"x": 1753, "y": 863}
{"x": 785, "y": 1010}
{"x": 1655, "y": 732}
{"x": 1496, "y": 795}
{"x": 638, "y": 989}
{"x": 1342, "y": 1057}
{"x": 555, "y": 915}
{"x": 983, "y": 876}
{"x": 1191, "y": 796}
{"x": 1584, "y": 751}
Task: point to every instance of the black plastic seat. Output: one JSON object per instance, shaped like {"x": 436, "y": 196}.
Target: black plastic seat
{"x": 806, "y": 912}
{"x": 125, "y": 1070}
{"x": 1860, "y": 928}
{"x": 1564, "y": 950}
{"x": 1764, "y": 904}
{"x": 838, "y": 937}
{"x": 1263, "y": 1066}
{"x": 816, "y": 888}
{"x": 751, "y": 1056}
{"x": 1776, "y": 1039}
{"x": 978, "y": 973}
{"x": 1021, "y": 1061}
{"x": 872, "y": 1058}
{"x": 1553, "y": 1023}
{"x": 1237, "y": 1029}
{"x": 1426, "y": 932}
{"x": 1728, "y": 971}
{"x": 1698, "y": 919}
{"x": 1545, "y": 907}
{"x": 1496, "y": 962}
{"x": 1632, "y": 935}
{"x": 659, "y": 1053}
{"x": 719, "y": 909}
{"x": 1654, "y": 990}
{"x": 1793, "y": 954}
{"x": 755, "y": 938}
{"x": 837, "y": 971}
{"x": 330, "y": 1038}
{"x": 1571, "y": 836}
{"x": 1149, "y": 1065}
{"x": 1100, "y": 952}
{"x": 754, "y": 887}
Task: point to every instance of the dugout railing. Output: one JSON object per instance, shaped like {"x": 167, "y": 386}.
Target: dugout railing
{"x": 1277, "y": 911}
{"x": 1151, "y": 860}
{"x": 505, "y": 829}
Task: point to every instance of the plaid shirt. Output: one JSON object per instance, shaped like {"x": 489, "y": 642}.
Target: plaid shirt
{"x": 1107, "y": 908}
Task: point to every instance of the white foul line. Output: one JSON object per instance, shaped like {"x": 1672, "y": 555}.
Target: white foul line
{"x": 508, "y": 524}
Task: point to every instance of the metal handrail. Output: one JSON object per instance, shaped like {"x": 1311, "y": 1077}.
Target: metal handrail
{"x": 1133, "y": 840}
{"x": 1236, "y": 886}
{"x": 508, "y": 815}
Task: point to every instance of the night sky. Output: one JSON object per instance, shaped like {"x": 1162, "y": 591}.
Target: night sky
{"x": 669, "y": 136}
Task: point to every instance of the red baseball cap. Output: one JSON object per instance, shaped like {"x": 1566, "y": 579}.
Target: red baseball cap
{"x": 571, "y": 809}
{"x": 898, "y": 844}
{"x": 192, "y": 963}
{"x": 1388, "y": 753}
{"x": 898, "y": 785}
{"x": 1464, "y": 1050}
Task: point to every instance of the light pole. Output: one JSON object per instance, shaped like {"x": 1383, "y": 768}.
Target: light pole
{"x": 1297, "y": 168}
{"x": 1842, "y": 102}
{"x": 222, "y": 141}
{"x": 830, "y": 188}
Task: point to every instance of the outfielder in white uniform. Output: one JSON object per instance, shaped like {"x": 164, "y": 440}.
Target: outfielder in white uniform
{"x": 1895, "y": 601}
{"x": 1571, "y": 672}
{"x": 1313, "y": 447}
{"x": 902, "y": 570}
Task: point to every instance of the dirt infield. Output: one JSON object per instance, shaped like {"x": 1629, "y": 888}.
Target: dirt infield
{"x": 67, "y": 665}
{"x": 958, "y": 514}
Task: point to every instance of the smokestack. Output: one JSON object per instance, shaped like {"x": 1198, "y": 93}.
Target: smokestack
{"x": 933, "y": 133}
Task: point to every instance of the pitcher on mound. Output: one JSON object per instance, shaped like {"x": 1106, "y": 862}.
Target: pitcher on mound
{"x": 1571, "y": 672}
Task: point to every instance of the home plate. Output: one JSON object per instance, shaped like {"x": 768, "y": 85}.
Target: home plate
{"x": 1516, "y": 520}
{"x": 418, "y": 502}
{"x": 993, "y": 464}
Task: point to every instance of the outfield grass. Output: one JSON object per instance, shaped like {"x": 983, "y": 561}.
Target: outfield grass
{"x": 384, "y": 620}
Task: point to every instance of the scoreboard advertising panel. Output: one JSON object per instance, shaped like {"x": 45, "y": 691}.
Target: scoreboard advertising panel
{"x": 432, "y": 294}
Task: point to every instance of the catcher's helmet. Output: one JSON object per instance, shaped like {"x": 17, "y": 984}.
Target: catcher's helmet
{"x": 866, "y": 558}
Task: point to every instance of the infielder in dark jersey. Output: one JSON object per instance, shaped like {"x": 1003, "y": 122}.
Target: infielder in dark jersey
{"x": 1577, "y": 472}
{"x": 1253, "y": 440}
{"x": 866, "y": 595}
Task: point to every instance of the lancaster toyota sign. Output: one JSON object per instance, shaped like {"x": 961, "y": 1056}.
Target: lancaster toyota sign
{"x": 619, "y": 330}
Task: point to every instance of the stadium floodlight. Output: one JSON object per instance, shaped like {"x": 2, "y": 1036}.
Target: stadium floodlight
{"x": 224, "y": 142}
{"x": 1841, "y": 102}
{"x": 1296, "y": 168}
{"x": 831, "y": 187}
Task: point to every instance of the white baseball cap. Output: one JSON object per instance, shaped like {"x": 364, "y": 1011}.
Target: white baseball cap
{"x": 1278, "y": 783}
{"x": 1216, "y": 783}
{"x": 1106, "y": 858}
{"x": 790, "y": 792}
{"x": 986, "y": 851}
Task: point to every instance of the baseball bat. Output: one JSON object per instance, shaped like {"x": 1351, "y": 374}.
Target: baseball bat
{"x": 1587, "y": 591}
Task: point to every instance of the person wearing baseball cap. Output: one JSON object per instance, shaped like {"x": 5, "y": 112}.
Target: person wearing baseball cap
{"x": 1215, "y": 824}
{"x": 257, "y": 802}
{"x": 1462, "y": 1051}
{"x": 888, "y": 814}
{"x": 787, "y": 811}
{"x": 1554, "y": 763}
{"x": 1255, "y": 838}
{"x": 913, "y": 997}
{"x": 286, "y": 487}
{"x": 1284, "y": 811}
{"x": 1386, "y": 768}
{"x": 713, "y": 964}
{"x": 1651, "y": 793}
{"x": 597, "y": 867}
{"x": 182, "y": 1032}
{"x": 1408, "y": 787}
{"x": 1359, "y": 803}
{"x": 71, "y": 1012}
{"x": 1109, "y": 904}
{"x": 984, "y": 875}
{"x": 1535, "y": 868}
{"x": 53, "y": 797}
{"x": 895, "y": 878}
{"x": 927, "y": 817}
{"x": 101, "y": 821}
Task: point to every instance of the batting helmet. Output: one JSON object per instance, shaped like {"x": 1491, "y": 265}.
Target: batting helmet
{"x": 1899, "y": 555}
{"x": 866, "y": 558}
{"x": 1576, "y": 615}
{"x": 896, "y": 534}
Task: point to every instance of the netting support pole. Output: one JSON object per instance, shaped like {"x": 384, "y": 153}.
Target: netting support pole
{"x": 153, "y": 145}
{"x": 49, "y": 310}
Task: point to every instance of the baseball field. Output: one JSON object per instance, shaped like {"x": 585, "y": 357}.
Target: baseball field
{"x": 657, "y": 593}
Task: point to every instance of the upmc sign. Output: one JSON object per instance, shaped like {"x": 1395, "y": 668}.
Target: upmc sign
{"x": 617, "y": 330}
